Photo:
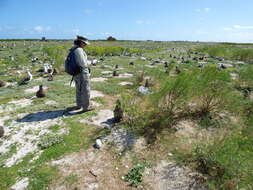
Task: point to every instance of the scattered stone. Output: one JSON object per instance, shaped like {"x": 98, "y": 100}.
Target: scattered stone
{"x": 151, "y": 66}
{"x": 21, "y": 103}
{"x": 126, "y": 84}
{"x": 94, "y": 169}
{"x": 143, "y": 90}
{"x": 125, "y": 75}
{"x": 95, "y": 94}
{"x": 121, "y": 138}
{"x": 21, "y": 184}
{"x": 106, "y": 72}
{"x": 50, "y": 102}
{"x": 26, "y": 132}
{"x": 100, "y": 79}
{"x": 170, "y": 176}
{"x": 104, "y": 118}
{"x": 143, "y": 59}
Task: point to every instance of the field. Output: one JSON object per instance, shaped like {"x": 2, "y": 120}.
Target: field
{"x": 187, "y": 117}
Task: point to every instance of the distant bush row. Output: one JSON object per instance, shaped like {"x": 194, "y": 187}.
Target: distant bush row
{"x": 229, "y": 52}
{"x": 111, "y": 51}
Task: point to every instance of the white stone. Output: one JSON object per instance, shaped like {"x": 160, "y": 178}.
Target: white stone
{"x": 21, "y": 184}
{"x": 100, "y": 79}
{"x": 126, "y": 83}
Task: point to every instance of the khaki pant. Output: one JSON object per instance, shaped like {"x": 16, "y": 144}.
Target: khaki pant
{"x": 82, "y": 82}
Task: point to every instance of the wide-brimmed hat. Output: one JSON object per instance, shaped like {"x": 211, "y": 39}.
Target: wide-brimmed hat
{"x": 83, "y": 39}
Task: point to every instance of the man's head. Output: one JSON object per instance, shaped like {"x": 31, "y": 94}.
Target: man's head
{"x": 81, "y": 41}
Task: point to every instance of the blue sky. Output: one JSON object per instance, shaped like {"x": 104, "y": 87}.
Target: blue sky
{"x": 202, "y": 20}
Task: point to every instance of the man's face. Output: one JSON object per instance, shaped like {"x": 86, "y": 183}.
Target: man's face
{"x": 82, "y": 44}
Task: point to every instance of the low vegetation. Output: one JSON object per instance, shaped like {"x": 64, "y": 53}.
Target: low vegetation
{"x": 215, "y": 103}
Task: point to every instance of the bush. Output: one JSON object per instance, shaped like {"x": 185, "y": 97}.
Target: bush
{"x": 49, "y": 140}
{"x": 111, "y": 51}
{"x": 229, "y": 52}
{"x": 204, "y": 94}
{"x": 227, "y": 162}
{"x": 211, "y": 91}
{"x": 57, "y": 55}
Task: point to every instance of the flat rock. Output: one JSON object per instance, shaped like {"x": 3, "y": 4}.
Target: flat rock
{"x": 50, "y": 102}
{"x": 104, "y": 118}
{"x": 95, "y": 94}
{"x": 34, "y": 89}
{"x": 126, "y": 84}
{"x": 94, "y": 170}
{"x": 125, "y": 75}
{"x": 106, "y": 72}
{"x": 21, "y": 184}
{"x": 100, "y": 79}
{"x": 170, "y": 176}
{"x": 121, "y": 138}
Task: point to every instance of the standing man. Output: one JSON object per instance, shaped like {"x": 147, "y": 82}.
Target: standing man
{"x": 82, "y": 80}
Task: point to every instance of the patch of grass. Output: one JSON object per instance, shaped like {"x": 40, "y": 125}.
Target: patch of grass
{"x": 54, "y": 128}
{"x": 226, "y": 162}
{"x": 41, "y": 177}
{"x": 71, "y": 179}
{"x": 49, "y": 140}
{"x": 5, "y": 156}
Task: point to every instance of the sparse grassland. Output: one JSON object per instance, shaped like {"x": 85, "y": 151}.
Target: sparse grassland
{"x": 196, "y": 114}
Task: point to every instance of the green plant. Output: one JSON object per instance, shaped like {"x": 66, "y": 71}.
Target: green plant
{"x": 134, "y": 176}
{"x": 49, "y": 140}
{"x": 226, "y": 161}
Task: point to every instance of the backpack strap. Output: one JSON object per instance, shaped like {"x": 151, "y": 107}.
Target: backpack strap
{"x": 71, "y": 80}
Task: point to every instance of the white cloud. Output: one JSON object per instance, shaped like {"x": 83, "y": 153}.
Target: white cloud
{"x": 76, "y": 31}
{"x": 203, "y": 10}
{"x": 88, "y": 11}
{"x": 40, "y": 29}
{"x": 143, "y": 22}
{"x": 207, "y": 9}
{"x": 238, "y": 27}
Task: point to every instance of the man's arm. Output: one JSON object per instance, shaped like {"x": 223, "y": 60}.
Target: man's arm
{"x": 81, "y": 58}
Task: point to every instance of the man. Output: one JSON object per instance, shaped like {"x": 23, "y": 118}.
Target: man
{"x": 82, "y": 80}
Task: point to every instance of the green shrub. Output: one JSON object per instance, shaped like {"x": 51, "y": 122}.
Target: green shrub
{"x": 134, "y": 176}
{"x": 49, "y": 140}
{"x": 111, "y": 51}
{"x": 227, "y": 162}
{"x": 211, "y": 91}
{"x": 229, "y": 52}
{"x": 57, "y": 55}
